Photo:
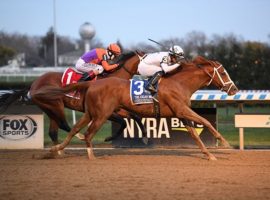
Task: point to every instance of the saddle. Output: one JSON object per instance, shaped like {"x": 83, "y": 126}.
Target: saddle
{"x": 71, "y": 76}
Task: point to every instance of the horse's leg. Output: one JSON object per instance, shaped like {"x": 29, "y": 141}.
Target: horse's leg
{"x": 91, "y": 131}
{"x": 138, "y": 119}
{"x": 118, "y": 119}
{"x": 189, "y": 114}
{"x": 183, "y": 111}
{"x": 53, "y": 131}
{"x": 82, "y": 122}
{"x": 58, "y": 114}
{"x": 197, "y": 139}
{"x": 54, "y": 110}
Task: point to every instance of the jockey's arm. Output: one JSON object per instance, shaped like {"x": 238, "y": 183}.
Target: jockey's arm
{"x": 107, "y": 66}
{"x": 167, "y": 68}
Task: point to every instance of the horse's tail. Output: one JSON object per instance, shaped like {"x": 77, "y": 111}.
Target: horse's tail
{"x": 53, "y": 92}
{"x": 10, "y": 97}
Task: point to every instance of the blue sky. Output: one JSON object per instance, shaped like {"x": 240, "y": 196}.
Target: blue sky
{"x": 135, "y": 21}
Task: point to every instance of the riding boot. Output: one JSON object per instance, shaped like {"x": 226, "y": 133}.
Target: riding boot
{"x": 152, "y": 82}
{"x": 87, "y": 76}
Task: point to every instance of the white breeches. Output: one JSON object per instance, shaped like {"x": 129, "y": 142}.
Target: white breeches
{"x": 81, "y": 66}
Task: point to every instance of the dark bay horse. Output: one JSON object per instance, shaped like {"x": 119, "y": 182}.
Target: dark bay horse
{"x": 128, "y": 63}
{"x": 174, "y": 95}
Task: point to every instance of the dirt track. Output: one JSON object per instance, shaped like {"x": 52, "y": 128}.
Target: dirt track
{"x": 135, "y": 174}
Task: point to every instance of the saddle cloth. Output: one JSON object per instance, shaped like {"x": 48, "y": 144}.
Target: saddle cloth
{"x": 138, "y": 93}
{"x": 71, "y": 76}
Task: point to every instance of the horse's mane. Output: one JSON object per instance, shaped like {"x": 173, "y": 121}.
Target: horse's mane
{"x": 188, "y": 65}
{"x": 119, "y": 60}
{"x": 125, "y": 56}
{"x": 197, "y": 62}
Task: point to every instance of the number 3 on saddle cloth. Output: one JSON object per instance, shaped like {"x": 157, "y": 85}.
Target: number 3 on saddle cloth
{"x": 138, "y": 93}
{"x": 71, "y": 76}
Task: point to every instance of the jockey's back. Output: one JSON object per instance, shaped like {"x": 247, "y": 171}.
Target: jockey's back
{"x": 155, "y": 58}
{"x": 94, "y": 56}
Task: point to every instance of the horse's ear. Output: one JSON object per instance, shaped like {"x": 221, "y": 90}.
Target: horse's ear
{"x": 140, "y": 53}
{"x": 120, "y": 45}
{"x": 200, "y": 60}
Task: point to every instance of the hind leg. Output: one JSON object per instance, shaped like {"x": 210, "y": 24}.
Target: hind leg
{"x": 138, "y": 120}
{"x": 82, "y": 122}
{"x": 54, "y": 110}
{"x": 91, "y": 132}
{"x": 53, "y": 131}
{"x": 57, "y": 113}
{"x": 118, "y": 119}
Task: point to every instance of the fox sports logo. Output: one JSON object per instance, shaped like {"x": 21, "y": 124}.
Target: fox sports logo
{"x": 17, "y": 127}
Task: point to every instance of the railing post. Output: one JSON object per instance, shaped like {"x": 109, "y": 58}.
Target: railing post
{"x": 241, "y": 138}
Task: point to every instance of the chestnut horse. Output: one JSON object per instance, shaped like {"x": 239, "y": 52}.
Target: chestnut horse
{"x": 104, "y": 97}
{"x": 128, "y": 64}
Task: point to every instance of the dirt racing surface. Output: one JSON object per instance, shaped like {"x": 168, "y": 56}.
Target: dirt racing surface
{"x": 118, "y": 174}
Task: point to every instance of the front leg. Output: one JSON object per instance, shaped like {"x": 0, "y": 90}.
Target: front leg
{"x": 83, "y": 121}
{"x": 193, "y": 116}
{"x": 198, "y": 140}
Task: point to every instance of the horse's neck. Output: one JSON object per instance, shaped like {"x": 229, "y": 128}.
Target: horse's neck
{"x": 128, "y": 70}
{"x": 192, "y": 79}
{"x": 121, "y": 73}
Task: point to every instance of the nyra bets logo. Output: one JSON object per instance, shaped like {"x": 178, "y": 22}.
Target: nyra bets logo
{"x": 17, "y": 127}
{"x": 157, "y": 128}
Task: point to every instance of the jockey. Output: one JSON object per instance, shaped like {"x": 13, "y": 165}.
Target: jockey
{"x": 158, "y": 64}
{"x": 95, "y": 61}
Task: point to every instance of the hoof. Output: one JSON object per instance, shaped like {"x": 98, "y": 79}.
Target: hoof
{"x": 212, "y": 157}
{"x": 90, "y": 154}
{"x": 108, "y": 139}
{"x": 55, "y": 148}
{"x": 145, "y": 140}
{"x": 226, "y": 145}
{"x": 80, "y": 136}
{"x": 61, "y": 152}
{"x": 91, "y": 158}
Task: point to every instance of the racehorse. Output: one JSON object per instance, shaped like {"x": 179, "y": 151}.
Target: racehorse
{"x": 128, "y": 63}
{"x": 174, "y": 95}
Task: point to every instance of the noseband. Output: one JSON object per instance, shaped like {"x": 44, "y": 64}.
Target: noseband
{"x": 229, "y": 84}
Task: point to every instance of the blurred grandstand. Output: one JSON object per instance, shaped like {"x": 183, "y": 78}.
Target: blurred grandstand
{"x": 16, "y": 70}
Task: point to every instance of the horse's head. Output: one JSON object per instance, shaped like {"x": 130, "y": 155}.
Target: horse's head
{"x": 127, "y": 66}
{"x": 129, "y": 62}
{"x": 217, "y": 74}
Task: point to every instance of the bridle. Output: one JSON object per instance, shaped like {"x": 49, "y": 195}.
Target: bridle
{"x": 228, "y": 84}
